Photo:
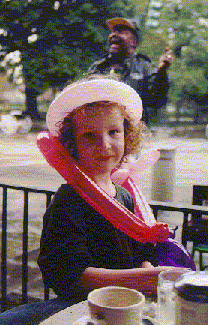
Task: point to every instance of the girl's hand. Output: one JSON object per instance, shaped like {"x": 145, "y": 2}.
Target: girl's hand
{"x": 147, "y": 265}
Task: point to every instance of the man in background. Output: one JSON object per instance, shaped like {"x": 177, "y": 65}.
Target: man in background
{"x": 137, "y": 70}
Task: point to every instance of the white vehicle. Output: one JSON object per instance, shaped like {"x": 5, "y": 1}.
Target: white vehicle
{"x": 15, "y": 122}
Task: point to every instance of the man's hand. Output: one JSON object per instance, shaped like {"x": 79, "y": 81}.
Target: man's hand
{"x": 166, "y": 59}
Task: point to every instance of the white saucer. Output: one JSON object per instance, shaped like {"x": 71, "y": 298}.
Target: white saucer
{"x": 85, "y": 319}
{"x": 82, "y": 321}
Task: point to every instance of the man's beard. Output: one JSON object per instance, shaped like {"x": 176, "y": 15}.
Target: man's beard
{"x": 121, "y": 54}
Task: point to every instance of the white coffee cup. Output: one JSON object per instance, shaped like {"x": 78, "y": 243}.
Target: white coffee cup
{"x": 115, "y": 306}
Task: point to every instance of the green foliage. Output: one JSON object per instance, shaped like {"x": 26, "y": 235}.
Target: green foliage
{"x": 140, "y": 6}
{"x": 69, "y": 37}
{"x": 189, "y": 41}
{"x": 187, "y": 83}
{"x": 152, "y": 45}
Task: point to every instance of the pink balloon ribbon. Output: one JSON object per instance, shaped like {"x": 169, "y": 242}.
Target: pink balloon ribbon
{"x": 140, "y": 226}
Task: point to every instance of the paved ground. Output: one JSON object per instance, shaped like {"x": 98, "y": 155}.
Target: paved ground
{"x": 22, "y": 164}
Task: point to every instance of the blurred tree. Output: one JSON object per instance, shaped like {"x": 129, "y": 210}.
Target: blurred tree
{"x": 184, "y": 26}
{"x": 56, "y": 40}
{"x": 152, "y": 45}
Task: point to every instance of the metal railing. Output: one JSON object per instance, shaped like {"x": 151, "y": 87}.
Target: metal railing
{"x": 185, "y": 209}
{"x": 155, "y": 205}
{"x": 26, "y": 191}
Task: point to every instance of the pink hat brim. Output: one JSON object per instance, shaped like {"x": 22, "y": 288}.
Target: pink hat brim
{"x": 91, "y": 91}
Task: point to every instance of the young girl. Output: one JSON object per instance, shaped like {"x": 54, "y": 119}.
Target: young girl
{"x": 98, "y": 122}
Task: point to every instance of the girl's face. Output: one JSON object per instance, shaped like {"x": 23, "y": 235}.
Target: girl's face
{"x": 99, "y": 138}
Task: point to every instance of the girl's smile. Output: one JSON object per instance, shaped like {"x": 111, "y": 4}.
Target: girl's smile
{"x": 99, "y": 138}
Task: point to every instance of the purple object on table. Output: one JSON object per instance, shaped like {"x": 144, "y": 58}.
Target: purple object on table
{"x": 171, "y": 253}
{"x": 172, "y": 231}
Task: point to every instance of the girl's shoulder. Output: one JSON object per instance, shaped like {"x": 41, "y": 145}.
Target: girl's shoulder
{"x": 65, "y": 189}
{"x": 66, "y": 207}
{"x": 66, "y": 195}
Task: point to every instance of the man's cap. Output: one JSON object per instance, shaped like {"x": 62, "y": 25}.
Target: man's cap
{"x": 91, "y": 91}
{"x": 130, "y": 23}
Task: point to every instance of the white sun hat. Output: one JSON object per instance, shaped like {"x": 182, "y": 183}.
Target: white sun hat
{"x": 91, "y": 91}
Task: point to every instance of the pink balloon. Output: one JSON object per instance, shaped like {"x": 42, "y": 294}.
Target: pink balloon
{"x": 132, "y": 169}
{"x": 140, "y": 226}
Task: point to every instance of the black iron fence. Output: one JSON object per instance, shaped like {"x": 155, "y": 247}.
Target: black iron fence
{"x": 156, "y": 206}
{"x": 186, "y": 210}
{"x": 26, "y": 191}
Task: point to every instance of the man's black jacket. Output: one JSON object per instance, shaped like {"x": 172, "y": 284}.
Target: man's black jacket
{"x": 142, "y": 74}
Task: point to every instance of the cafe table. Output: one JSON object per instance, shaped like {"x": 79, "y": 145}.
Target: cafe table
{"x": 75, "y": 313}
